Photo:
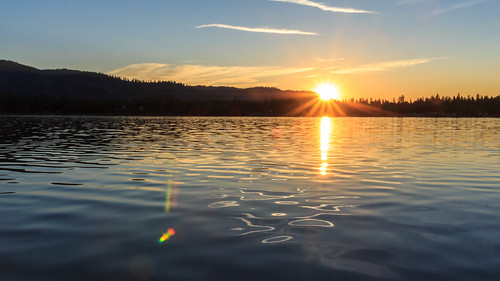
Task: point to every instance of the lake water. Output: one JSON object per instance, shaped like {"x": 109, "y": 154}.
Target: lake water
{"x": 98, "y": 198}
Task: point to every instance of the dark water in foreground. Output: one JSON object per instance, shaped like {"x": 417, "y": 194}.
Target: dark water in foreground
{"x": 249, "y": 199}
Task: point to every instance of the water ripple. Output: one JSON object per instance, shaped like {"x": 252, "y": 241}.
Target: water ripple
{"x": 379, "y": 199}
{"x": 277, "y": 239}
{"x": 224, "y": 204}
{"x": 311, "y": 222}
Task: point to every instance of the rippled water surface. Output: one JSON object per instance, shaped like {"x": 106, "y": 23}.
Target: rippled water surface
{"x": 88, "y": 198}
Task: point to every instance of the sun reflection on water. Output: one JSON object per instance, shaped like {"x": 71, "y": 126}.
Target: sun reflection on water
{"x": 326, "y": 128}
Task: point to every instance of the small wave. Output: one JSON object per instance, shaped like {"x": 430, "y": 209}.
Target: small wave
{"x": 328, "y": 207}
{"x": 277, "y": 239}
{"x": 287, "y": 202}
{"x": 278, "y": 214}
{"x": 311, "y": 222}
{"x": 334, "y": 197}
{"x": 257, "y": 228}
{"x": 223, "y": 204}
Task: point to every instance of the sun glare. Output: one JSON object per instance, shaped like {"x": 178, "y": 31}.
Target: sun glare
{"x": 327, "y": 92}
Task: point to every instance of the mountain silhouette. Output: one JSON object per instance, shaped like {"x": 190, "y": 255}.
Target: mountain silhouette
{"x": 16, "y": 79}
{"x": 28, "y": 90}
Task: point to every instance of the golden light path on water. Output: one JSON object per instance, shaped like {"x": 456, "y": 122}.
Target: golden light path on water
{"x": 325, "y": 133}
{"x": 326, "y": 128}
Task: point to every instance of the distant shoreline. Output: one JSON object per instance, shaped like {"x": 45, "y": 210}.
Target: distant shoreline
{"x": 310, "y": 107}
{"x": 39, "y": 104}
{"x": 235, "y": 116}
{"x": 25, "y": 90}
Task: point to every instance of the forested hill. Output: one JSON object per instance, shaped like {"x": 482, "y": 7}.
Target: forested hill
{"x": 18, "y": 79}
{"x": 27, "y": 90}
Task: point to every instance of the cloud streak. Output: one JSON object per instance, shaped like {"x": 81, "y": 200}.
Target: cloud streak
{"x": 329, "y": 60}
{"x": 259, "y": 29}
{"x": 408, "y": 2}
{"x": 380, "y": 66}
{"x": 459, "y": 5}
{"x": 242, "y": 76}
{"x": 247, "y": 76}
{"x": 325, "y": 7}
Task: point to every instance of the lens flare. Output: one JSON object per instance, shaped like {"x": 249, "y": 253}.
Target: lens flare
{"x": 165, "y": 236}
{"x": 168, "y": 196}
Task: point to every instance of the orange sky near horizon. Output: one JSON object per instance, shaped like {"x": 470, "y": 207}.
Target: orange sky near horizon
{"x": 369, "y": 49}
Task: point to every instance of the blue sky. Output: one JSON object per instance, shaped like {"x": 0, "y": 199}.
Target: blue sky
{"x": 369, "y": 48}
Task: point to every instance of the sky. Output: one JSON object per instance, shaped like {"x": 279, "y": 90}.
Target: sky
{"x": 367, "y": 48}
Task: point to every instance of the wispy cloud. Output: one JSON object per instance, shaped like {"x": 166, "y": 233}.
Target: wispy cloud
{"x": 407, "y": 2}
{"x": 259, "y": 29}
{"x": 325, "y": 7}
{"x": 380, "y": 66}
{"x": 329, "y": 60}
{"x": 242, "y": 76}
{"x": 460, "y": 5}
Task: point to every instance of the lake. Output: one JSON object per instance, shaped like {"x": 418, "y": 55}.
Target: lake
{"x": 199, "y": 198}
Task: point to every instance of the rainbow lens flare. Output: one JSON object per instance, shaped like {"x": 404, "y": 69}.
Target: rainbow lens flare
{"x": 166, "y": 235}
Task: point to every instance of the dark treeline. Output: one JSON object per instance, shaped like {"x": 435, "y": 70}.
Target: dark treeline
{"x": 435, "y": 106}
{"x": 457, "y": 106}
{"x": 27, "y": 90}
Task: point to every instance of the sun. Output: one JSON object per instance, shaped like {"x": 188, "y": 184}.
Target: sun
{"x": 327, "y": 91}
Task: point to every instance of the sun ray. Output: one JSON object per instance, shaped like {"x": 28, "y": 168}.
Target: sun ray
{"x": 299, "y": 110}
